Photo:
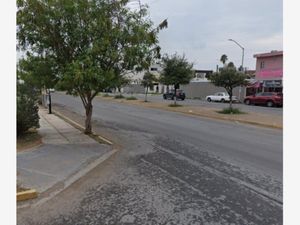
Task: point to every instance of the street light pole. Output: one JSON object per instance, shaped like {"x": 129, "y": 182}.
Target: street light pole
{"x": 242, "y": 51}
{"x": 242, "y": 62}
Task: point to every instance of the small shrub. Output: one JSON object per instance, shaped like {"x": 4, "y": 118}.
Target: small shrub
{"x": 27, "y": 108}
{"x": 131, "y": 98}
{"x": 119, "y": 96}
{"x": 231, "y": 111}
{"x": 106, "y": 95}
{"x": 173, "y": 105}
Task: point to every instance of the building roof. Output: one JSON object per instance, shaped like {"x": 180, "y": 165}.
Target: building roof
{"x": 268, "y": 54}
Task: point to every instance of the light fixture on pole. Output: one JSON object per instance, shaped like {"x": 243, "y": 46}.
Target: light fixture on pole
{"x": 242, "y": 51}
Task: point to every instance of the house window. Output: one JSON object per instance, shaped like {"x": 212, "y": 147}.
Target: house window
{"x": 262, "y": 64}
{"x": 153, "y": 69}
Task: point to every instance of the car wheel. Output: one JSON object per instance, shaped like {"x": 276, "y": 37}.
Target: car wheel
{"x": 247, "y": 102}
{"x": 222, "y": 100}
{"x": 270, "y": 103}
{"x": 209, "y": 99}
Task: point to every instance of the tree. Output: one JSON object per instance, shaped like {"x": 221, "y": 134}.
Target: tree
{"x": 148, "y": 82}
{"x": 37, "y": 71}
{"x": 176, "y": 70}
{"x": 27, "y": 108}
{"x": 231, "y": 64}
{"x": 223, "y": 59}
{"x": 228, "y": 78}
{"x": 93, "y": 43}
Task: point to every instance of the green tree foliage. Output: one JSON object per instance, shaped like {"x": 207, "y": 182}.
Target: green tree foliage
{"x": 27, "y": 108}
{"x": 38, "y": 71}
{"x": 231, "y": 64}
{"x": 176, "y": 70}
{"x": 223, "y": 59}
{"x": 228, "y": 78}
{"x": 92, "y": 42}
{"x": 148, "y": 82}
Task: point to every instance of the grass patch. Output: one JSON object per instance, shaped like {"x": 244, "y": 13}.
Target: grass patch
{"x": 131, "y": 98}
{"x": 231, "y": 111}
{"x": 28, "y": 140}
{"x": 119, "y": 96}
{"x": 106, "y": 95}
{"x": 173, "y": 105}
{"x": 154, "y": 94}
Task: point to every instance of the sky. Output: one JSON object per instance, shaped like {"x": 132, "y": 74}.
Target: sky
{"x": 205, "y": 25}
{"x": 200, "y": 29}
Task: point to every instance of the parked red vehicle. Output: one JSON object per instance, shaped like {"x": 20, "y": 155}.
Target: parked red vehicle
{"x": 265, "y": 98}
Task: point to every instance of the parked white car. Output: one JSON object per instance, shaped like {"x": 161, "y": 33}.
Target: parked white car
{"x": 220, "y": 97}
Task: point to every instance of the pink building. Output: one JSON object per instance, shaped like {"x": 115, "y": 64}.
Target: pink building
{"x": 269, "y": 70}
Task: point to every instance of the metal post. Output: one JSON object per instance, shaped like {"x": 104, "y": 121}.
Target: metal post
{"x": 50, "y": 111}
{"x": 48, "y": 95}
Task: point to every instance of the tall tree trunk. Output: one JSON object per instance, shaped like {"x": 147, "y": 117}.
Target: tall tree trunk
{"x": 230, "y": 100}
{"x": 175, "y": 97}
{"x": 88, "y": 113}
{"x": 146, "y": 94}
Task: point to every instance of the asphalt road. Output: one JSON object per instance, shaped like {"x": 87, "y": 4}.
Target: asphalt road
{"x": 172, "y": 169}
{"x": 218, "y": 105}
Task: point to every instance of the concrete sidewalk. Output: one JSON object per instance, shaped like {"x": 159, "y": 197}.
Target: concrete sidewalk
{"x": 66, "y": 152}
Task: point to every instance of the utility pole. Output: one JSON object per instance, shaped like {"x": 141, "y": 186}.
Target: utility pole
{"x": 242, "y": 51}
{"x": 242, "y": 61}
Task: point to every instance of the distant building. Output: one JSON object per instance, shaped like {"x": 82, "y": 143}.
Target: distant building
{"x": 201, "y": 76}
{"x": 137, "y": 77}
{"x": 156, "y": 69}
{"x": 268, "y": 74}
{"x": 269, "y": 70}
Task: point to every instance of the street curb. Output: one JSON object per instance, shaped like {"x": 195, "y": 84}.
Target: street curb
{"x": 26, "y": 195}
{"x": 77, "y": 125}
